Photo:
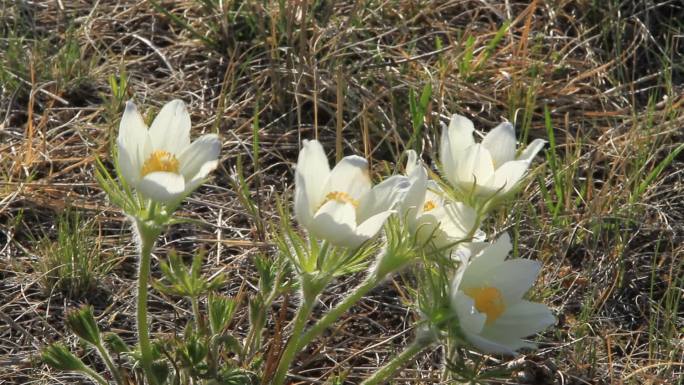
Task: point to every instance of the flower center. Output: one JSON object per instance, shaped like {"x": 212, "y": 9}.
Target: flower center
{"x": 341, "y": 197}
{"x": 160, "y": 161}
{"x": 488, "y": 300}
{"x": 429, "y": 205}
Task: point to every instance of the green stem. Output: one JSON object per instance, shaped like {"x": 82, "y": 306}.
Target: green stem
{"x": 256, "y": 328}
{"x": 387, "y": 371}
{"x": 298, "y": 340}
{"x": 196, "y": 312}
{"x": 94, "y": 375}
{"x": 148, "y": 236}
{"x": 291, "y": 349}
{"x": 335, "y": 313}
{"x": 109, "y": 362}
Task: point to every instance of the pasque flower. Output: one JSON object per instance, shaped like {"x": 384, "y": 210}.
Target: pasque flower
{"x": 431, "y": 214}
{"x": 160, "y": 162}
{"x": 485, "y": 168}
{"x": 487, "y": 297}
{"x": 339, "y": 205}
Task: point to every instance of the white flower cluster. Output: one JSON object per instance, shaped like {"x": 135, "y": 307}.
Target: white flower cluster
{"x": 342, "y": 207}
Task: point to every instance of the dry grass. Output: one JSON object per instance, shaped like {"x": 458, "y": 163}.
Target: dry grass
{"x": 608, "y": 228}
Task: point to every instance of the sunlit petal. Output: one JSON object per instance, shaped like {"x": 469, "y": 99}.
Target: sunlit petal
{"x": 313, "y": 170}
{"x": 489, "y": 258}
{"x": 475, "y": 166}
{"x": 524, "y": 319}
{"x": 372, "y": 225}
{"x": 335, "y": 222}
{"x": 507, "y": 176}
{"x": 514, "y": 278}
{"x": 133, "y": 143}
{"x": 201, "y": 157}
{"x": 470, "y": 320}
{"x": 455, "y": 139}
{"x": 170, "y": 130}
{"x": 500, "y": 142}
{"x": 350, "y": 175}
{"x": 128, "y": 164}
{"x": 162, "y": 186}
{"x": 383, "y": 196}
{"x": 302, "y": 206}
{"x": 532, "y": 150}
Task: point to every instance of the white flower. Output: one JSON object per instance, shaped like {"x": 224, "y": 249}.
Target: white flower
{"x": 430, "y": 213}
{"x": 486, "y": 168}
{"x": 487, "y": 299}
{"x": 160, "y": 162}
{"x": 339, "y": 205}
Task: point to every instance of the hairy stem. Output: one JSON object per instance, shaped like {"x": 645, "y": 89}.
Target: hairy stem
{"x": 292, "y": 347}
{"x": 94, "y": 375}
{"x": 298, "y": 340}
{"x": 109, "y": 362}
{"x": 148, "y": 235}
{"x": 199, "y": 323}
{"x": 335, "y": 313}
{"x": 398, "y": 362}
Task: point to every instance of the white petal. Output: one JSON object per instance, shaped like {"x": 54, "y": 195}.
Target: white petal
{"x": 455, "y": 139}
{"x": 501, "y": 143}
{"x": 162, "y": 186}
{"x": 459, "y": 220}
{"x": 460, "y": 132}
{"x": 412, "y": 161}
{"x": 524, "y": 318}
{"x": 415, "y": 196}
{"x": 302, "y": 206}
{"x": 128, "y": 163}
{"x": 471, "y": 320}
{"x": 349, "y": 176}
{"x": 368, "y": 228}
{"x": 514, "y": 278}
{"x": 486, "y": 345}
{"x": 507, "y": 176}
{"x": 312, "y": 166}
{"x": 434, "y": 193}
{"x": 489, "y": 258}
{"x": 413, "y": 200}
{"x": 170, "y": 130}
{"x": 132, "y": 143}
{"x": 436, "y": 223}
{"x": 194, "y": 183}
{"x": 201, "y": 157}
{"x": 200, "y": 177}
{"x": 427, "y": 225}
{"x": 474, "y": 166}
{"x": 132, "y": 128}
{"x": 335, "y": 222}
{"x": 384, "y": 196}
{"x": 532, "y": 150}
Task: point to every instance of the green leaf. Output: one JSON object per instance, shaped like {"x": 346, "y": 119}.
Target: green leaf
{"x": 656, "y": 172}
{"x": 221, "y": 311}
{"x": 231, "y": 343}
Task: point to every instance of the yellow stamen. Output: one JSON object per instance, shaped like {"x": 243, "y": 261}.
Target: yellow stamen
{"x": 429, "y": 205}
{"x": 488, "y": 300}
{"x": 160, "y": 161}
{"x": 341, "y": 197}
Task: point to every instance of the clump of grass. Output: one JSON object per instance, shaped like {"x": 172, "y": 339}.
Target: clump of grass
{"x": 72, "y": 263}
